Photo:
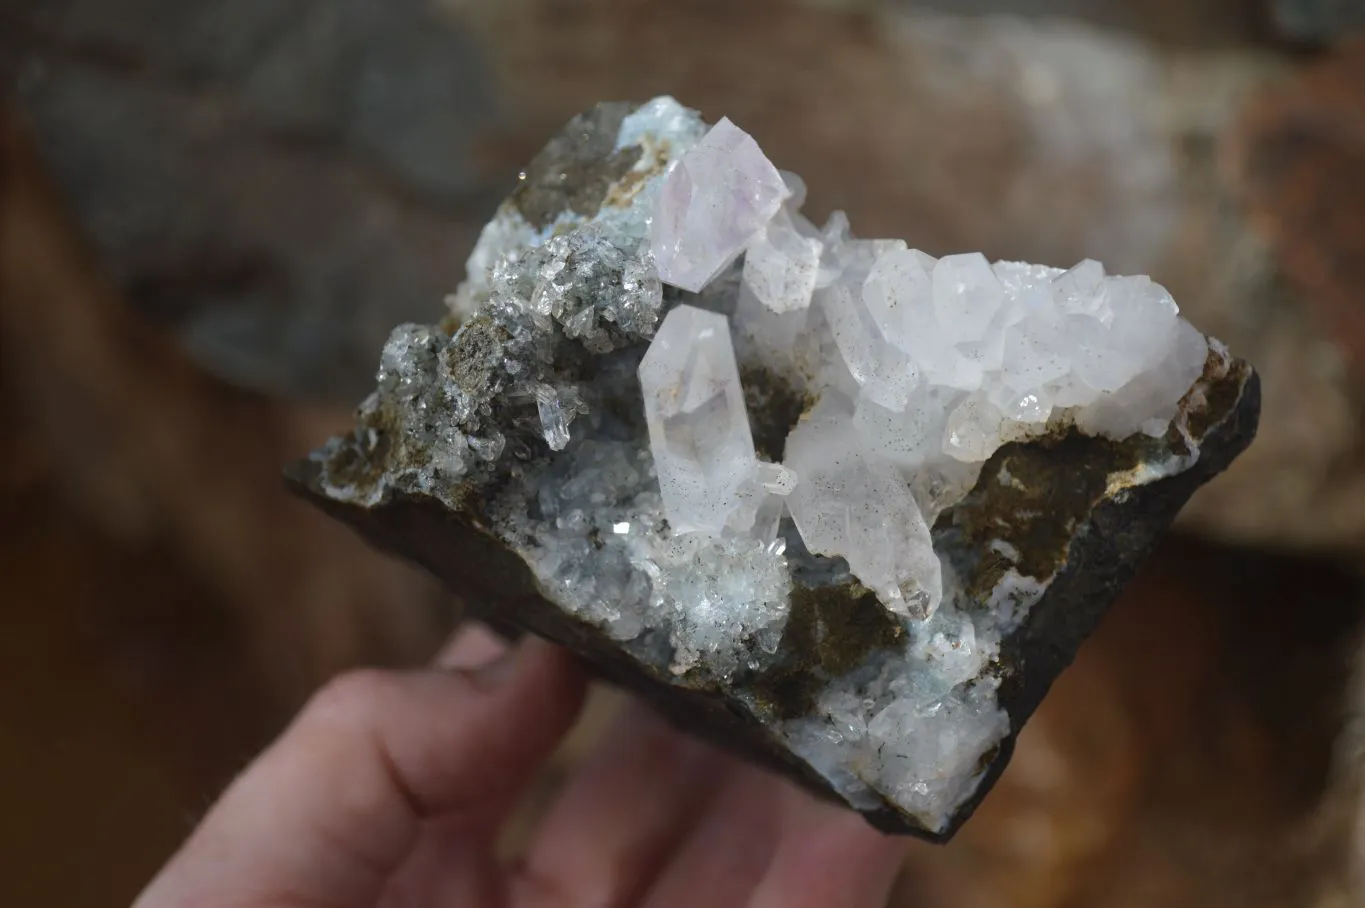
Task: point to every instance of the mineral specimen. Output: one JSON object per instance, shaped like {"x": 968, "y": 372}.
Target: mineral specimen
{"x": 839, "y": 505}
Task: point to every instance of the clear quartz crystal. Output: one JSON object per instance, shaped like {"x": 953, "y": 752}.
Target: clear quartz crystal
{"x": 698, "y": 427}
{"x": 715, "y": 202}
{"x": 557, "y": 407}
{"x": 851, "y": 504}
{"x": 885, "y": 374}
{"x": 781, "y": 266}
{"x": 552, "y": 418}
{"x": 967, "y": 296}
{"x": 772, "y": 338}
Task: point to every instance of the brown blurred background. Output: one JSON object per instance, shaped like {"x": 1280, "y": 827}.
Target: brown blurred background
{"x": 212, "y": 211}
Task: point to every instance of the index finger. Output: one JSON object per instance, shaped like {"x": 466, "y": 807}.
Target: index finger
{"x": 328, "y": 813}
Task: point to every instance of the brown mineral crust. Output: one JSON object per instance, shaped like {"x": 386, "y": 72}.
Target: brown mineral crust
{"x": 578, "y": 167}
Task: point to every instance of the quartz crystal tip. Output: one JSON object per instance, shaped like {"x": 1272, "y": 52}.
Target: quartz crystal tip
{"x": 717, "y": 199}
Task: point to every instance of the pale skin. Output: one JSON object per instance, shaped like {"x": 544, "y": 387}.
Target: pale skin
{"x": 390, "y": 787}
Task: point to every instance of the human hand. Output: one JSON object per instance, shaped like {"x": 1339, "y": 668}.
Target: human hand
{"x": 389, "y": 790}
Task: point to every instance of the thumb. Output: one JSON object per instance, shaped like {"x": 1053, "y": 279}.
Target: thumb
{"x": 328, "y": 813}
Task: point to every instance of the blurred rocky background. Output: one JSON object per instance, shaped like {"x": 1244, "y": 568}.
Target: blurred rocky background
{"x": 212, "y": 211}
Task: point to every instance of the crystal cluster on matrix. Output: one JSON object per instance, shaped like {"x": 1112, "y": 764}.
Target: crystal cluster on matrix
{"x": 921, "y": 368}
{"x": 917, "y": 370}
{"x": 616, "y": 350}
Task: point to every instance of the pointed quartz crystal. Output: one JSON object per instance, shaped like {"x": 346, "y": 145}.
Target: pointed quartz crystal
{"x": 850, "y": 504}
{"x": 884, "y": 373}
{"x": 698, "y": 427}
{"x": 898, "y": 294}
{"x": 782, "y": 265}
{"x": 712, "y": 205}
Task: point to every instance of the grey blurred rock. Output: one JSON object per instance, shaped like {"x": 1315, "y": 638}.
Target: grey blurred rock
{"x": 278, "y": 181}
{"x": 1206, "y": 23}
{"x": 1318, "y": 21}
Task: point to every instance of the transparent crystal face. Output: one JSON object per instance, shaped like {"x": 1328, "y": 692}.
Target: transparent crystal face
{"x": 698, "y": 426}
{"x": 717, "y": 201}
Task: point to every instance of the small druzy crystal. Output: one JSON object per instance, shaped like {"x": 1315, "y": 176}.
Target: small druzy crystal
{"x": 837, "y": 503}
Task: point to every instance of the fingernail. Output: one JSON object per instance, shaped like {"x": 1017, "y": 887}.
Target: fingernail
{"x": 501, "y": 670}
{"x": 472, "y": 647}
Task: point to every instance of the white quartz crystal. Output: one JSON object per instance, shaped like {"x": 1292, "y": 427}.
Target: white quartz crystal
{"x": 772, "y": 338}
{"x": 852, "y": 504}
{"x": 782, "y": 265}
{"x": 912, "y": 724}
{"x": 928, "y": 757}
{"x": 714, "y": 203}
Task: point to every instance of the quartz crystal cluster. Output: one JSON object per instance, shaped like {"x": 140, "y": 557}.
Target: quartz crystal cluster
{"x": 821, "y": 496}
{"x": 922, "y": 368}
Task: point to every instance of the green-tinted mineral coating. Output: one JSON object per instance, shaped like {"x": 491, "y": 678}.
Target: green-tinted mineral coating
{"x": 577, "y": 169}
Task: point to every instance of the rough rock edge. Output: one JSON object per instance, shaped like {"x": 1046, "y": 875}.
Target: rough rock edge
{"x": 1096, "y": 559}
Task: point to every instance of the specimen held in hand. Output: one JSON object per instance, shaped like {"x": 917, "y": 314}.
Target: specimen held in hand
{"x": 840, "y": 506}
